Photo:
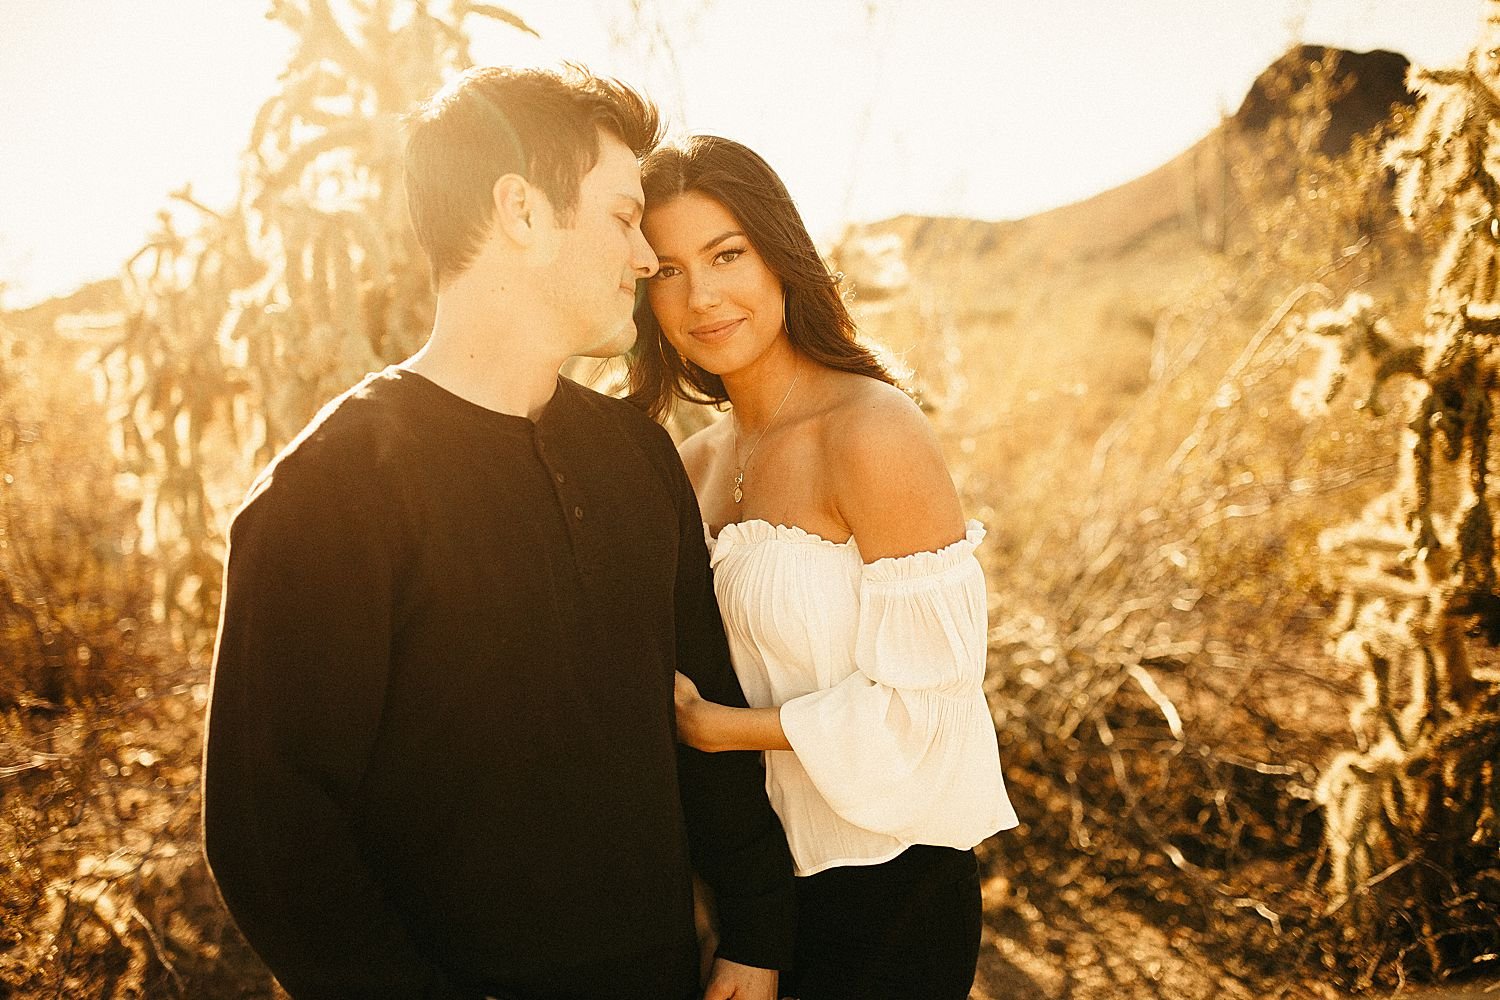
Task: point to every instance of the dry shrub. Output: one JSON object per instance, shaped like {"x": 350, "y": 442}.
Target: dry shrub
{"x": 1162, "y": 606}
{"x": 104, "y": 891}
{"x": 1412, "y": 832}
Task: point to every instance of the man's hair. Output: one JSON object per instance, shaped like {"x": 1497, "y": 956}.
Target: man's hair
{"x": 817, "y": 322}
{"x": 492, "y": 121}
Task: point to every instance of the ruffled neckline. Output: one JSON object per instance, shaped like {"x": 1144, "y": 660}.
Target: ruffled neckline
{"x": 756, "y": 530}
{"x": 918, "y": 565}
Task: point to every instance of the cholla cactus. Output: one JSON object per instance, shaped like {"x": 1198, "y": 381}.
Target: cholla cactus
{"x": 1411, "y": 828}
{"x": 237, "y": 332}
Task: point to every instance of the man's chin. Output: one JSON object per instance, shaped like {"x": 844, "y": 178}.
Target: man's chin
{"x": 614, "y": 346}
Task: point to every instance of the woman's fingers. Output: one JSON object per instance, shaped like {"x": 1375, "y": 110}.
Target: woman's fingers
{"x": 685, "y": 691}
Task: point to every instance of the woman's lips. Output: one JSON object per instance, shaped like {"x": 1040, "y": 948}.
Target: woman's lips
{"x": 712, "y": 333}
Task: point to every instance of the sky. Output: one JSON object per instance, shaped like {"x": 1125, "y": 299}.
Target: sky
{"x": 991, "y": 109}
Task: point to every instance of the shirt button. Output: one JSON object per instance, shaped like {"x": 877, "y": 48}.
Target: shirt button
{"x": 560, "y": 477}
{"x": 578, "y": 513}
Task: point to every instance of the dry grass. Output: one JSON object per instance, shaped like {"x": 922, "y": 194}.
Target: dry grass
{"x": 104, "y": 892}
{"x": 1115, "y": 389}
{"x": 1113, "y": 383}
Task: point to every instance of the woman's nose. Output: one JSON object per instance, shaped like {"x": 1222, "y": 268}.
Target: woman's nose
{"x": 703, "y": 295}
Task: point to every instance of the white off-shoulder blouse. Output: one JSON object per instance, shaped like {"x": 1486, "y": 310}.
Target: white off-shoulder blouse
{"x": 878, "y": 670}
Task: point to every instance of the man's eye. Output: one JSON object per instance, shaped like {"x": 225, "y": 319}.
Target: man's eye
{"x": 665, "y": 271}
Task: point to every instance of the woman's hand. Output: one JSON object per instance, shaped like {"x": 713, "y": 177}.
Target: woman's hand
{"x": 732, "y": 981}
{"x": 692, "y": 726}
{"x": 709, "y": 726}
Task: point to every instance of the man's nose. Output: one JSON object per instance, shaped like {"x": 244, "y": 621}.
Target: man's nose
{"x": 645, "y": 264}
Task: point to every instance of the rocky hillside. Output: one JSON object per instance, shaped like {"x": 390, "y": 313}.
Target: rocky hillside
{"x": 1072, "y": 303}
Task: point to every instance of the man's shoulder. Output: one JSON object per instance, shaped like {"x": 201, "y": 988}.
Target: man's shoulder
{"x": 620, "y": 413}
{"x": 604, "y": 403}
{"x": 632, "y": 431}
{"x": 341, "y": 446}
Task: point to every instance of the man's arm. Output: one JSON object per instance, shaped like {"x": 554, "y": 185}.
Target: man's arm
{"x": 736, "y": 840}
{"x": 298, "y": 687}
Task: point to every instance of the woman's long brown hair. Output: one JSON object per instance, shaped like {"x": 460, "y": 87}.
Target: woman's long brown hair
{"x": 817, "y": 322}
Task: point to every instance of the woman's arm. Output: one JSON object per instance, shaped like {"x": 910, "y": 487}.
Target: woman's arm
{"x": 705, "y": 725}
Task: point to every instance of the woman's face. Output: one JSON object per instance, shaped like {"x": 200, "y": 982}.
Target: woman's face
{"x": 716, "y": 300}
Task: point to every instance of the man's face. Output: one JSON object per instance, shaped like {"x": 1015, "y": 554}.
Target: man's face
{"x": 600, "y": 255}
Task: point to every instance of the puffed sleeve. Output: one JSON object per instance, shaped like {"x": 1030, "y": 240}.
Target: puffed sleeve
{"x": 905, "y": 745}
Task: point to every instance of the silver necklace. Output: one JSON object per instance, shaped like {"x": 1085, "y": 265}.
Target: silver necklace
{"x": 739, "y": 471}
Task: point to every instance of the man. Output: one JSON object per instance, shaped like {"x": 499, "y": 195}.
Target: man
{"x": 441, "y": 757}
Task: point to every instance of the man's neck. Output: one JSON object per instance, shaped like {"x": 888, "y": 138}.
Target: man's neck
{"x": 487, "y": 348}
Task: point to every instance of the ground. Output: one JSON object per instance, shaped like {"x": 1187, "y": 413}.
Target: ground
{"x": 1115, "y": 954}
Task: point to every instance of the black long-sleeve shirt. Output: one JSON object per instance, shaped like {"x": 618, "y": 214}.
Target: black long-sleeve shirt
{"x": 440, "y": 757}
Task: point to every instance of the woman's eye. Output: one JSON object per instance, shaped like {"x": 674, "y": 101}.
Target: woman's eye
{"x": 665, "y": 271}
{"x": 730, "y": 255}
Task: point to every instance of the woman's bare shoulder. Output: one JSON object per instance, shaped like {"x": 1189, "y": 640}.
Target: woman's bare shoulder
{"x": 888, "y": 474}
{"x": 869, "y": 419}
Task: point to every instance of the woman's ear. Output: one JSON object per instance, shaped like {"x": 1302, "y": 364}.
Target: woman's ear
{"x": 516, "y": 206}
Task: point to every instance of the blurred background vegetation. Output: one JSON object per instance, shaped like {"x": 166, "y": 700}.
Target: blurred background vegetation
{"x": 1228, "y": 425}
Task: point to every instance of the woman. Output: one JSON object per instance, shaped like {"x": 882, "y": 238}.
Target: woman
{"x": 854, "y": 606}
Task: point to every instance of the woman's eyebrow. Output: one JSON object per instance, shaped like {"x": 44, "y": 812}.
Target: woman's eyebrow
{"x": 719, "y": 239}
{"x": 707, "y": 246}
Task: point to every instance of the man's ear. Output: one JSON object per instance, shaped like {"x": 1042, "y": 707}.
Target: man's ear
{"x": 517, "y": 205}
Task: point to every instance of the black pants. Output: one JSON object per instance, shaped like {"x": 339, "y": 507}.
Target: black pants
{"x": 904, "y": 930}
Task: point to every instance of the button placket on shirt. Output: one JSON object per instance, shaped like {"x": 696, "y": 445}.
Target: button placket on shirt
{"x": 568, "y": 501}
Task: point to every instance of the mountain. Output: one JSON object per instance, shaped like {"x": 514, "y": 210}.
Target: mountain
{"x": 1368, "y": 85}
{"x": 103, "y": 297}
{"x": 1066, "y": 308}
{"x": 1376, "y": 82}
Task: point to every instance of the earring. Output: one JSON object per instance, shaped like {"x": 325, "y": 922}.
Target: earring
{"x": 661, "y": 350}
